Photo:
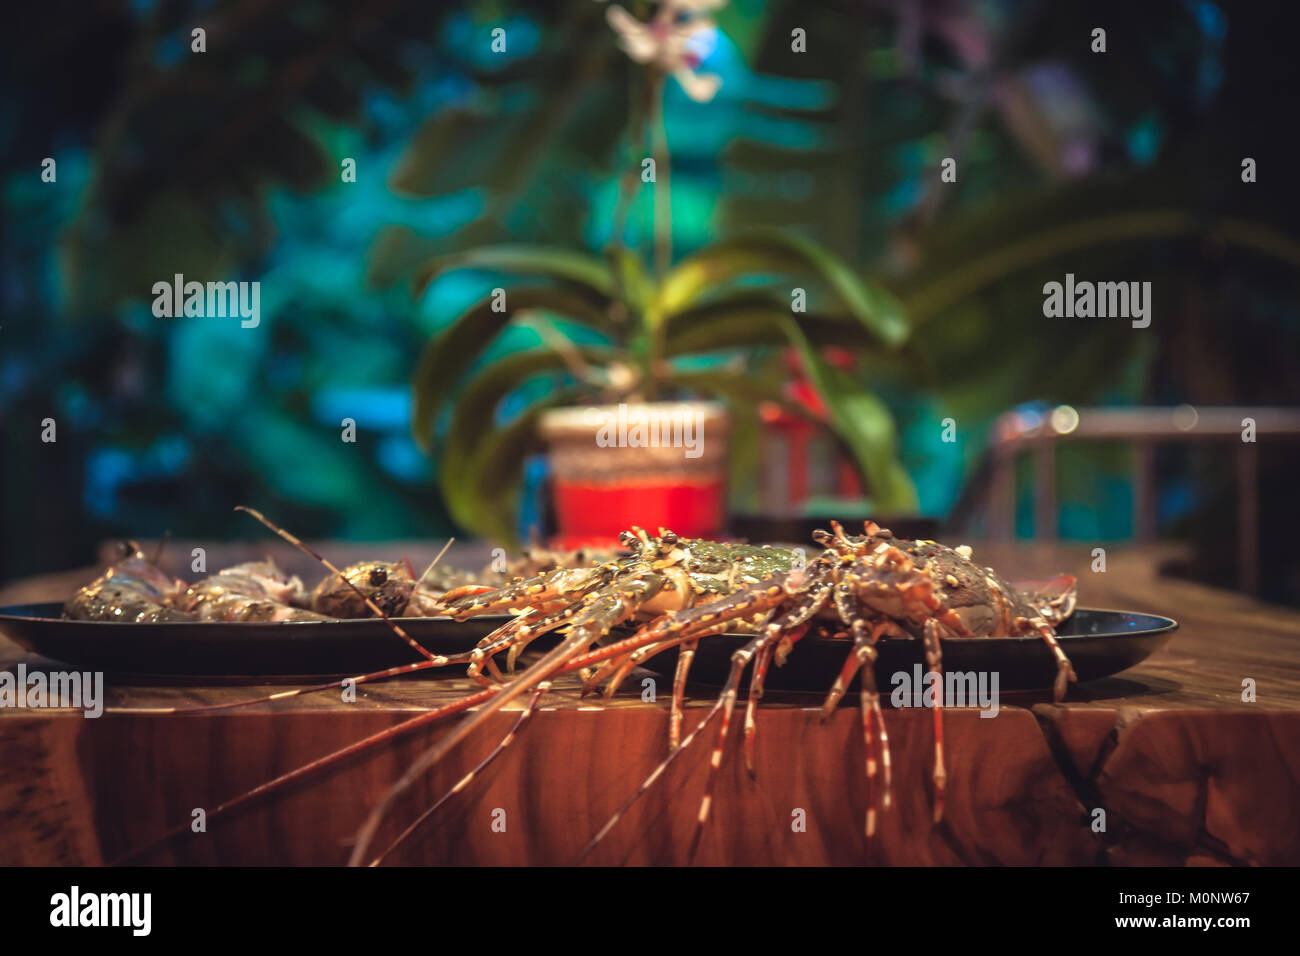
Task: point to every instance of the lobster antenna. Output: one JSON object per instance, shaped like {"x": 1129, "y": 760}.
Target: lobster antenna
{"x": 572, "y": 646}
{"x": 277, "y": 783}
{"x": 465, "y": 781}
{"x": 298, "y": 543}
{"x": 433, "y": 564}
{"x": 162, "y": 543}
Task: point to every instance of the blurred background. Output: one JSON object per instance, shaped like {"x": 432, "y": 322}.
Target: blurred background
{"x": 1117, "y": 166}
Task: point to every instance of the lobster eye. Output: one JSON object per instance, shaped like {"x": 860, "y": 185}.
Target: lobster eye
{"x": 669, "y": 538}
{"x": 378, "y": 577}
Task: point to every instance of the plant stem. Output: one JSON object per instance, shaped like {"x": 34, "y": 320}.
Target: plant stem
{"x": 662, "y": 228}
{"x": 630, "y": 181}
{"x": 663, "y": 211}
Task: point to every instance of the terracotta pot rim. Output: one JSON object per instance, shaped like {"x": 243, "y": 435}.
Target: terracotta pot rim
{"x": 604, "y": 443}
{"x": 580, "y": 420}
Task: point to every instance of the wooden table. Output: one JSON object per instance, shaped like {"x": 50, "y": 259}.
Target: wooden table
{"x": 1185, "y": 770}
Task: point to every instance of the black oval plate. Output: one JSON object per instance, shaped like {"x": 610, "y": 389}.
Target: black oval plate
{"x": 234, "y": 650}
{"x": 1099, "y": 643}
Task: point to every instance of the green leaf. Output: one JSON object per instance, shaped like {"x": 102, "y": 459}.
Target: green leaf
{"x": 583, "y": 273}
{"x": 475, "y": 408}
{"x": 744, "y": 459}
{"x": 988, "y": 262}
{"x": 455, "y": 348}
{"x": 395, "y": 254}
{"x": 743, "y": 394}
{"x": 477, "y": 403}
{"x": 433, "y": 160}
{"x": 484, "y": 497}
{"x": 740, "y": 391}
{"x": 744, "y": 319}
{"x": 864, "y": 424}
{"x": 772, "y": 251}
{"x": 633, "y": 282}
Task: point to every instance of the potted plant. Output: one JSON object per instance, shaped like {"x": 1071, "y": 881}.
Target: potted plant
{"x": 668, "y": 336}
{"x": 705, "y": 306}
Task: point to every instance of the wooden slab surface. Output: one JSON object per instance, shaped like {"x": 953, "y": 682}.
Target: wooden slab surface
{"x": 1181, "y": 768}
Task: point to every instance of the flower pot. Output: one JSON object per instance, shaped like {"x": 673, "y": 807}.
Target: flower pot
{"x": 650, "y": 464}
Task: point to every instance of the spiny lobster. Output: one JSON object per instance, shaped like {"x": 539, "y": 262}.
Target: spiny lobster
{"x": 864, "y": 587}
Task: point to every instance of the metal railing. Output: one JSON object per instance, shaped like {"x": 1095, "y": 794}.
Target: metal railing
{"x": 1039, "y": 435}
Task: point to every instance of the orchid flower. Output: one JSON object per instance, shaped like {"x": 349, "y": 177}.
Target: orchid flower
{"x": 671, "y": 41}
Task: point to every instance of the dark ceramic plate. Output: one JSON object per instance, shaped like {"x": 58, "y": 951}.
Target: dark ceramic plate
{"x": 1099, "y": 643}
{"x": 235, "y": 650}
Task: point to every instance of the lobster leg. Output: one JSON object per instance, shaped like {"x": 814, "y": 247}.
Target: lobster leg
{"x": 888, "y": 577}
{"x": 619, "y": 603}
{"x": 703, "y": 617}
{"x": 873, "y": 698}
{"x": 626, "y": 667}
{"x": 791, "y": 627}
{"x": 649, "y": 782}
{"x": 533, "y": 627}
{"x": 855, "y": 661}
{"x": 934, "y": 658}
{"x": 846, "y": 604}
{"x": 531, "y": 631}
{"x": 466, "y": 780}
{"x": 605, "y": 672}
{"x": 620, "y": 666}
{"x": 779, "y": 650}
{"x": 523, "y": 629}
{"x": 761, "y": 661}
{"x": 615, "y": 671}
{"x": 869, "y": 704}
{"x": 684, "y": 660}
{"x": 706, "y": 620}
{"x": 464, "y": 591}
{"x": 643, "y": 654}
{"x": 739, "y": 661}
{"x": 685, "y": 657}
{"x": 564, "y": 584}
{"x": 278, "y": 783}
{"x": 1064, "y": 669}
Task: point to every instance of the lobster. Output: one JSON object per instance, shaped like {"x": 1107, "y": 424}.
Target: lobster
{"x": 873, "y": 584}
{"x": 133, "y": 589}
{"x": 674, "y": 592}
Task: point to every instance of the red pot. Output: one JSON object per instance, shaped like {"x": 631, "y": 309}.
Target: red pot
{"x": 648, "y": 464}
